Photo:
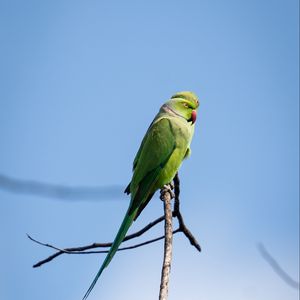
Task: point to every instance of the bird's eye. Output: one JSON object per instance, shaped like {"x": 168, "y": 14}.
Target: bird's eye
{"x": 185, "y": 105}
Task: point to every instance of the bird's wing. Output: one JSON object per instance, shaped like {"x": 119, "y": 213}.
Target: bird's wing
{"x": 157, "y": 147}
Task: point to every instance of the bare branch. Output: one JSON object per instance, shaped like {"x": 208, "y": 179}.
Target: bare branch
{"x": 82, "y": 249}
{"x": 166, "y": 196}
{"x": 42, "y": 189}
{"x": 277, "y": 268}
{"x": 177, "y": 214}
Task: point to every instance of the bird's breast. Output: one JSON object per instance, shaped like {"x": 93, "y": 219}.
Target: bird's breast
{"x": 182, "y": 134}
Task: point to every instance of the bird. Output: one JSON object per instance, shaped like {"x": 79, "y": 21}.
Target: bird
{"x": 165, "y": 145}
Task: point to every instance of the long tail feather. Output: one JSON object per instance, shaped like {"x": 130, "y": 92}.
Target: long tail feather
{"x": 118, "y": 240}
{"x": 143, "y": 193}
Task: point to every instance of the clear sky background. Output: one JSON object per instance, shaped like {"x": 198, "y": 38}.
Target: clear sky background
{"x": 80, "y": 83}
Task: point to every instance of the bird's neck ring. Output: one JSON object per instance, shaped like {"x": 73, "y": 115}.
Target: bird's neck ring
{"x": 167, "y": 108}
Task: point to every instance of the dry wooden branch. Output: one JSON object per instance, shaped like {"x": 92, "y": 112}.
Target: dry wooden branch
{"x": 166, "y": 196}
{"x": 82, "y": 249}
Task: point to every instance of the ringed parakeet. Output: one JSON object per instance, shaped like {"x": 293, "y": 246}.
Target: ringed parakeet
{"x": 163, "y": 148}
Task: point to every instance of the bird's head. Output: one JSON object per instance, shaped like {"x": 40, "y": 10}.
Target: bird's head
{"x": 184, "y": 104}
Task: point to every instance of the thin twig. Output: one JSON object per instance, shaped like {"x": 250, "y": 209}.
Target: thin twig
{"x": 177, "y": 214}
{"x": 65, "y": 251}
{"x": 277, "y": 268}
{"x": 82, "y": 249}
{"x": 166, "y": 268}
{"x": 57, "y": 191}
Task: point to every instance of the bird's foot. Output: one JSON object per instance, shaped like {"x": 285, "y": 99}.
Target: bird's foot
{"x": 167, "y": 188}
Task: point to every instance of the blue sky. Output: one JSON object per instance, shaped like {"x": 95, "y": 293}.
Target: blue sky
{"x": 80, "y": 83}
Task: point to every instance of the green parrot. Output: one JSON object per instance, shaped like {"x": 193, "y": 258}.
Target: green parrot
{"x": 163, "y": 148}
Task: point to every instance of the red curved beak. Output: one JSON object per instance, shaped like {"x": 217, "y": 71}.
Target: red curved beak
{"x": 193, "y": 116}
